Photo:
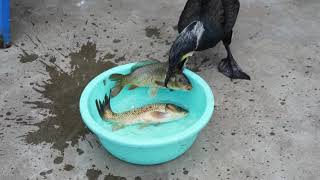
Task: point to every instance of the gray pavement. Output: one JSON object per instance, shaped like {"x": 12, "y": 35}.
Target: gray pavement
{"x": 267, "y": 128}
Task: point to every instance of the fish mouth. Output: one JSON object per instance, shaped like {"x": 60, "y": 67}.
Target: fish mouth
{"x": 183, "y": 114}
{"x": 188, "y": 87}
{"x": 175, "y": 88}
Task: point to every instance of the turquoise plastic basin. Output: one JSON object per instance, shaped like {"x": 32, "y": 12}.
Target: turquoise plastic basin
{"x": 151, "y": 144}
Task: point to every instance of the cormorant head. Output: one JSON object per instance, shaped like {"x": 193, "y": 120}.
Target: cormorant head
{"x": 182, "y": 48}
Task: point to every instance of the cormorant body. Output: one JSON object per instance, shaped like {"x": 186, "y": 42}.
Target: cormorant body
{"x": 203, "y": 24}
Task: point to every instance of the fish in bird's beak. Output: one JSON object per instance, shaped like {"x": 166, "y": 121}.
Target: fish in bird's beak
{"x": 176, "y": 68}
{"x": 182, "y": 48}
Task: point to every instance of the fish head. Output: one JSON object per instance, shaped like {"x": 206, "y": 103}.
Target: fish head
{"x": 179, "y": 81}
{"x": 176, "y": 111}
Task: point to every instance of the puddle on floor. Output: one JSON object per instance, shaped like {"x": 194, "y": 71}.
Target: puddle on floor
{"x": 64, "y": 90}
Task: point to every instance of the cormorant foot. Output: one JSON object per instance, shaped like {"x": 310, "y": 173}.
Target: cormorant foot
{"x": 231, "y": 69}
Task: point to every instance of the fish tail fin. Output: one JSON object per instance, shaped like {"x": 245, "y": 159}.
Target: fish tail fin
{"x": 119, "y": 85}
{"x": 103, "y": 106}
{"x": 100, "y": 108}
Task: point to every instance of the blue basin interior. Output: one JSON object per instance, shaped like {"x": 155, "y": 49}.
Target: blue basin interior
{"x": 155, "y": 143}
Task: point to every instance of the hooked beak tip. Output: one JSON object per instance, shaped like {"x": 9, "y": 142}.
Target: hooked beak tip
{"x": 168, "y": 76}
{"x": 166, "y": 82}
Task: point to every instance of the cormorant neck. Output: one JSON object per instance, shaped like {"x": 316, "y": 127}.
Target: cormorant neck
{"x": 186, "y": 42}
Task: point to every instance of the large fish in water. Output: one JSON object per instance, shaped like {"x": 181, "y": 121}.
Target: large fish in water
{"x": 146, "y": 115}
{"x": 149, "y": 73}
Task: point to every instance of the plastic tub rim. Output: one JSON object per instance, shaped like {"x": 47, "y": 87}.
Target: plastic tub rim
{"x": 103, "y": 134}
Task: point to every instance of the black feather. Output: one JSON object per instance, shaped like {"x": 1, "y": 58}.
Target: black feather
{"x": 190, "y": 13}
{"x": 231, "y": 10}
{"x": 184, "y": 43}
{"x": 212, "y": 13}
{"x": 207, "y": 11}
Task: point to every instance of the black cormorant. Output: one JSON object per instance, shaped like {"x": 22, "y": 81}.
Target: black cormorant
{"x": 202, "y": 24}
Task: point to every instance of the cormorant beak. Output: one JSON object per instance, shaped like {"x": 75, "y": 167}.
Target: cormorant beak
{"x": 168, "y": 76}
{"x": 178, "y": 68}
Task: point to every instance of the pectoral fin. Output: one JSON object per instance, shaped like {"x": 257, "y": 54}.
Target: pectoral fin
{"x": 153, "y": 92}
{"x": 117, "y": 126}
{"x": 144, "y": 125}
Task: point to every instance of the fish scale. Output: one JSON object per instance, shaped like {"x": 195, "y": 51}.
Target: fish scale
{"x": 144, "y": 73}
{"x": 135, "y": 114}
{"x": 148, "y": 74}
{"x": 152, "y": 113}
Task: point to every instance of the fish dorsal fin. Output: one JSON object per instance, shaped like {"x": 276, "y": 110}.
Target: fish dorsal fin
{"x": 153, "y": 91}
{"x": 117, "y": 126}
{"x": 143, "y": 63}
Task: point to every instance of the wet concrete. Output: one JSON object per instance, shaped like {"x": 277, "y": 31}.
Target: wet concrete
{"x": 64, "y": 123}
{"x": 112, "y": 177}
{"x": 152, "y": 32}
{"x": 68, "y": 167}
{"x": 266, "y": 128}
{"x": 93, "y": 174}
{"x": 25, "y": 57}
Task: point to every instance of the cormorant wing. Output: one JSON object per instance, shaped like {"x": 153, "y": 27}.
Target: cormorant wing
{"x": 190, "y": 13}
{"x": 223, "y": 12}
{"x": 207, "y": 11}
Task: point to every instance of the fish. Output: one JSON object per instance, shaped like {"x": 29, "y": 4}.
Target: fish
{"x": 151, "y": 114}
{"x": 149, "y": 73}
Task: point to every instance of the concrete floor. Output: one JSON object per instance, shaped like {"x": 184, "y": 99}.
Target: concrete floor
{"x": 266, "y": 128}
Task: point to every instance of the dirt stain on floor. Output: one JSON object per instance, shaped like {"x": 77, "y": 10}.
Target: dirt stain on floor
{"x": 25, "y": 57}
{"x": 109, "y": 56}
{"x": 113, "y": 177}
{"x": 93, "y": 174}
{"x": 120, "y": 59}
{"x": 64, "y": 123}
{"x": 68, "y": 167}
{"x": 152, "y": 31}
